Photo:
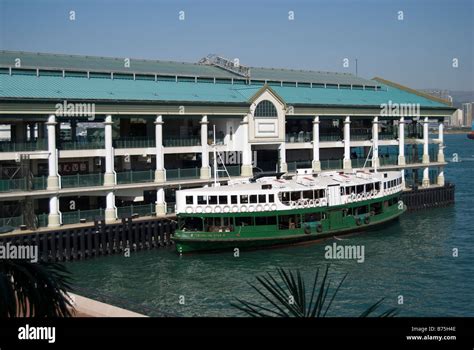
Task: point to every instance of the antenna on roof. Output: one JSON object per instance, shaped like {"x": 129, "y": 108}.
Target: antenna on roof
{"x": 227, "y": 64}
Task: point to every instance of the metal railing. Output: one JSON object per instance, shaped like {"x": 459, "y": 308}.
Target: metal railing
{"x": 128, "y": 177}
{"x": 303, "y": 164}
{"x": 74, "y": 217}
{"x": 134, "y": 142}
{"x": 329, "y": 136}
{"x": 181, "y": 142}
{"x": 31, "y": 146}
{"x": 39, "y": 183}
{"x": 302, "y": 136}
{"x": 82, "y": 180}
{"x": 81, "y": 144}
{"x": 180, "y": 174}
{"x": 330, "y": 164}
{"x": 140, "y": 209}
{"x": 12, "y": 185}
{"x": 12, "y": 221}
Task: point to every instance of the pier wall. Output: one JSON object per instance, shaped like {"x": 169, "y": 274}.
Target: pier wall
{"x": 69, "y": 244}
{"x": 433, "y": 197}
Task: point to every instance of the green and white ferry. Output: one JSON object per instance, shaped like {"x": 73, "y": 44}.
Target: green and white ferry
{"x": 275, "y": 210}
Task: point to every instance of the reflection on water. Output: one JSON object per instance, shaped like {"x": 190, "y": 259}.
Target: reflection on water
{"x": 412, "y": 257}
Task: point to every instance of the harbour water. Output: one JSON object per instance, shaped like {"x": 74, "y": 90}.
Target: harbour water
{"x": 413, "y": 258}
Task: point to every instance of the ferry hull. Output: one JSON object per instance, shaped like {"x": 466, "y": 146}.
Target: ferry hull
{"x": 188, "y": 244}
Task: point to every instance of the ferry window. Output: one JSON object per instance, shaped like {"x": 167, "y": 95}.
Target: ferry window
{"x": 377, "y": 186}
{"x": 320, "y": 194}
{"x": 189, "y": 200}
{"x": 295, "y": 196}
{"x": 265, "y": 220}
{"x": 348, "y": 190}
{"x": 261, "y": 198}
{"x": 243, "y": 221}
{"x": 233, "y": 199}
{"x": 202, "y": 200}
{"x": 360, "y": 189}
{"x": 222, "y": 199}
{"x": 285, "y": 197}
{"x": 271, "y": 198}
{"x": 384, "y": 185}
{"x": 376, "y": 208}
{"x": 271, "y": 220}
{"x": 308, "y": 194}
{"x": 191, "y": 224}
{"x": 361, "y": 210}
{"x": 212, "y": 199}
{"x": 253, "y": 198}
{"x": 369, "y": 187}
{"x": 289, "y": 222}
{"x": 313, "y": 217}
{"x": 342, "y": 191}
{"x": 244, "y": 199}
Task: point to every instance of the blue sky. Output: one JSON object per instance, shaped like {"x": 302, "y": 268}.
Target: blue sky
{"x": 417, "y": 51}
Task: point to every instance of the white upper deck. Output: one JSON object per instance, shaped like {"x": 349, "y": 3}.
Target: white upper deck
{"x": 271, "y": 193}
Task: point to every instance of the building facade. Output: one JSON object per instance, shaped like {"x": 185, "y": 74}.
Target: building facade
{"x": 93, "y": 137}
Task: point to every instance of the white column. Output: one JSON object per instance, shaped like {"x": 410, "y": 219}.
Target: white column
{"x": 160, "y": 206}
{"x": 375, "y": 143}
{"x": 110, "y": 210}
{"x": 401, "y": 141}
{"x": 109, "y": 176}
{"x": 316, "y": 164}
{"x": 205, "y": 169}
{"x": 426, "y": 155}
{"x": 54, "y": 217}
{"x": 440, "y": 180}
{"x": 347, "y": 144}
{"x": 53, "y": 178}
{"x": 441, "y": 141}
{"x": 247, "y": 168}
{"x": 160, "y": 174}
{"x": 282, "y": 151}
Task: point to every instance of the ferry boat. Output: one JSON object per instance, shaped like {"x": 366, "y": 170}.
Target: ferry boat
{"x": 276, "y": 210}
{"x": 471, "y": 134}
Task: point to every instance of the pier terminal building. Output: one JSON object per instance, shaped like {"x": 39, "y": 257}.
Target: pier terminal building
{"x": 85, "y": 137}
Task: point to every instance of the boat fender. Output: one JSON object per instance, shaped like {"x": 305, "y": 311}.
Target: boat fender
{"x": 307, "y": 229}
{"x": 358, "y": 222}
{"x": 367, "y": 220}
{"x": 319, "y": 228}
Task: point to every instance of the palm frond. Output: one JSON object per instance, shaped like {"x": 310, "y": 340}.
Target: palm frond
{"x": 284, "y": 294}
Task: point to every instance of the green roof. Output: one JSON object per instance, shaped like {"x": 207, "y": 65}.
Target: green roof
{"x": 21, "y": 86}
{"x": 32, "y": 60}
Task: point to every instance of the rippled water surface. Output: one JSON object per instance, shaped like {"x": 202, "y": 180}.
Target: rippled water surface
{"x": 412, "y": 258}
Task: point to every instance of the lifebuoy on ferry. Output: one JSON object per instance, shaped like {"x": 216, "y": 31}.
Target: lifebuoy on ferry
{"x": 305, "y": 203}
{"x": 226, "y": 209}
{"x": 266, "y": 207}
{"x": 243, "y": 208}
{"x": 208, "y": 209}
{"x": 311, "y": 202}
{"x": 189, "y": 210}
{"x": 353, "y": 196}
{"x": 251, "y": 208}
{"x": 235, "y": 209}
{"x": 317, "y": 201}
{"x": 217, "y": 209}
{"x": 199, "y": 210}
{"x": 274, "y": 207}
{"x": 293, "y": 204}
{"x": 359, "y": 197}
{"x": 258, "y": 208}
